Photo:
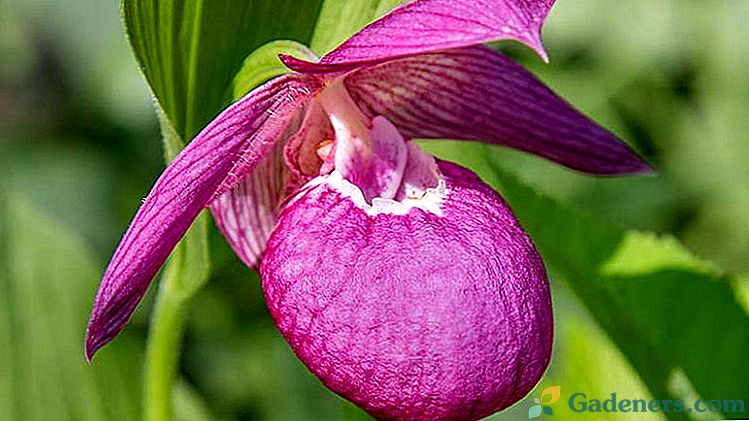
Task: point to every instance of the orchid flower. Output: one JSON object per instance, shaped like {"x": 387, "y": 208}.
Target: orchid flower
{"x": 403, "y": 282}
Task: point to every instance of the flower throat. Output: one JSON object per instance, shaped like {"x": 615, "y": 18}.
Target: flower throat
{"x": 372, "y": 155}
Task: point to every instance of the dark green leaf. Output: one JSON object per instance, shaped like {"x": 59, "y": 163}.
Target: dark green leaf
{"x": 190, "y": 50}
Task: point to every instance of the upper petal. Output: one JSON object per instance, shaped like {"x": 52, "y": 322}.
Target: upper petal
{"x": 423, "y": 26}
{"x": 476, "y": 93}
{"x": 229, "y": 147}
{"x": 414, "y": 316}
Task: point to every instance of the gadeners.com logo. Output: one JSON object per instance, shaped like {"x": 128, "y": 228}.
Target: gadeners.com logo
{"x": 580, "y": 403}
{"x": 548, "y": 396}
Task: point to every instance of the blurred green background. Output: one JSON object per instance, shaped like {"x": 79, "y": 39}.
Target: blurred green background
{"x": 80, "y": 146}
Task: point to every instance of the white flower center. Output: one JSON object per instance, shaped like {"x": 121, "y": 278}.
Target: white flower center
{"x": 374, "y": 165}
{"x": 430, "y": 200}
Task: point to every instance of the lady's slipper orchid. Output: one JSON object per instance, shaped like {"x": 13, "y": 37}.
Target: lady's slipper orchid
{"x": 404, "y": 283}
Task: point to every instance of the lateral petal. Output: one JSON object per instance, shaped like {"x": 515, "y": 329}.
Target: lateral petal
{"x": 476, "y": 93}
{"x": 227, "y": 149}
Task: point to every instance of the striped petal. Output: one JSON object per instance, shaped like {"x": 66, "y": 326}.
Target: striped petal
{"x": 476, "y": 93}
{"x": 247, "y": 213}
{"x": 423, "y": 26}
{"x": 227, "y": 149}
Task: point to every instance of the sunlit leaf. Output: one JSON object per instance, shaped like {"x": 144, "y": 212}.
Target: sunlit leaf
{"x": 665, "y": 317}
{"x": 263, "y": 64}
{"x": 339, "y": 19}
{"x": 602, "y": 371}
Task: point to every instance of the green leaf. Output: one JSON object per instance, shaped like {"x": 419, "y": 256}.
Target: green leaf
{"x": 674, "y": 317}
{"x": 263, "y": 64}
{"x": 339, "y": 19}
{"x": 190, "y": 50}
{"x": 47, "y": 282}
{"x": 189, "y": 406}
{"x": 170, "y": 139}
{"x": 603, "y": 371}
{"x": 189, "y": 265}
{"x": 667, "y": 311}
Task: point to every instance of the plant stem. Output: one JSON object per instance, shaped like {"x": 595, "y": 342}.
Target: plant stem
{"x": 162, "y": 359}
{"x": 185, "y": 274}
{"x": 187, "y": 270}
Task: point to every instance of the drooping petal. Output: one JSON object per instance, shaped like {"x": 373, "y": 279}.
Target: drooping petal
{"x": 295, "y": 92}
{"x": 476, "y": 93}
{"x": 423, "y": 26}
{"x": 226, "y": 150}
{"x": 415, "y": 316}
{"x": 247, "y": 213}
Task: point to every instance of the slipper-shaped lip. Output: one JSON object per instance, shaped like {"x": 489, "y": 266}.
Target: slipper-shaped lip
{"x": 414, "y": 316}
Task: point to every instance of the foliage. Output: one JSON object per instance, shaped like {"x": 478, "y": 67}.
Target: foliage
{"x": 637, "y": 311}
{"x": 667, "y": 311}
{"x": 47, "y": 279}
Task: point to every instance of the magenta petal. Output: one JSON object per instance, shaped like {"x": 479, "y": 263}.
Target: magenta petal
{"x": 247, "y": 213}
{"x": 231, "y": 145}
{"x": 279, "y": 118}
{"x": 377, "y": 170}
{"x": 413, "y": 317}
{"x": 423, "y": 26}
{"x": 476, "y": 93}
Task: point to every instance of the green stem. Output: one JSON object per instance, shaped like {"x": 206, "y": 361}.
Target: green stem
{"x": 162, "y": 359}
{"x": 185, "y": 274}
